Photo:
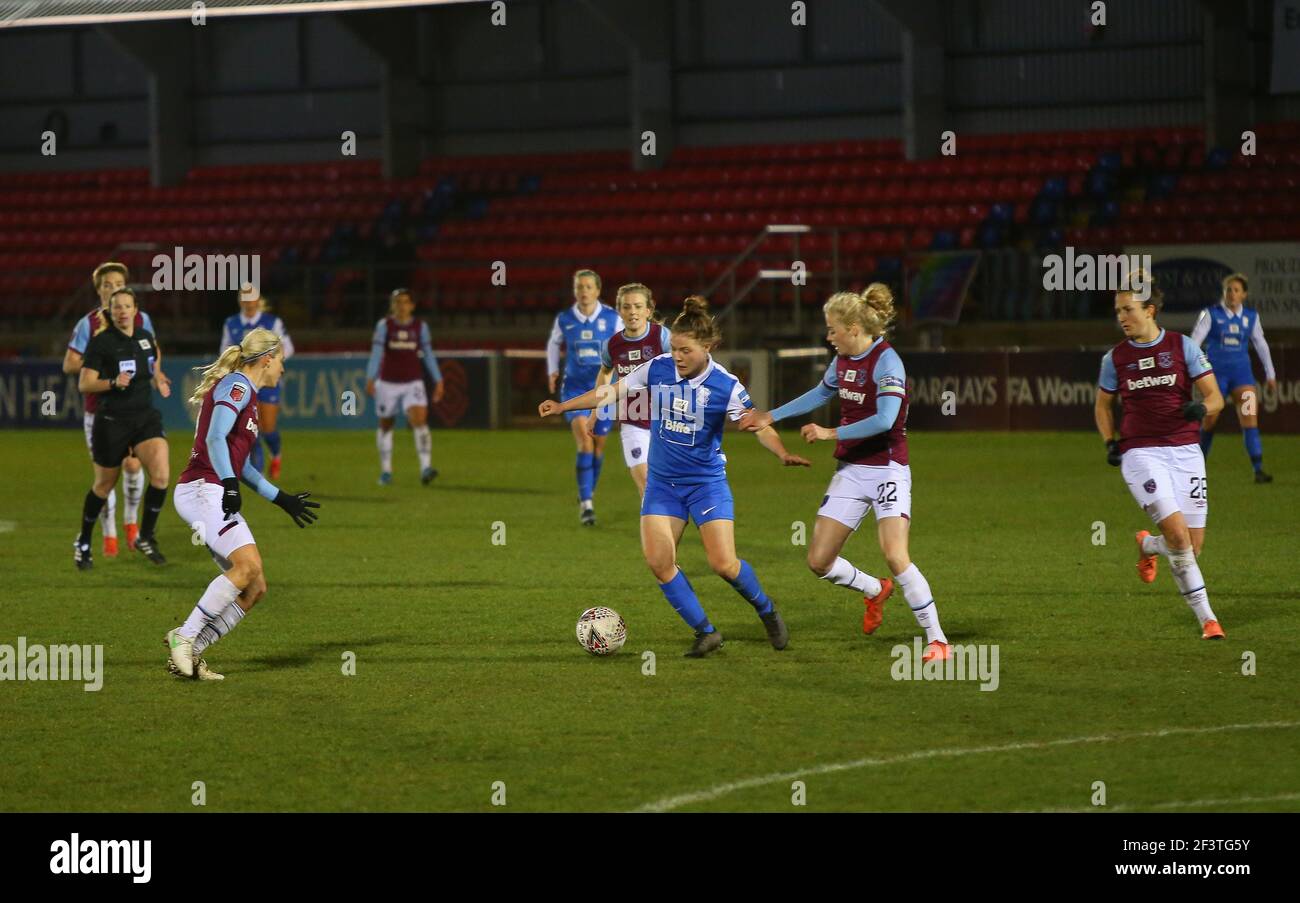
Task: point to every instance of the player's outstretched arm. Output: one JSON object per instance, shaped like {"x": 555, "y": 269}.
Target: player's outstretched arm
{"x": 601, "y": 395}
{"x": 770, "y": 439}
{"x": 806, "y": 403}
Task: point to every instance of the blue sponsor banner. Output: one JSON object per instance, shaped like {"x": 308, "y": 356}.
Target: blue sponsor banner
{"x": 38, "y": 395}
{"x": 317, "y": 392}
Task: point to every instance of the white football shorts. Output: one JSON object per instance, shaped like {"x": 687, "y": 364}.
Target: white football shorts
{"x": 885, "y": 489}
{"x": 198, "y": 502}
{"x": 393, "y": 397}
{"x": 1166, "y": 479}
{"x": 636, "y": 444}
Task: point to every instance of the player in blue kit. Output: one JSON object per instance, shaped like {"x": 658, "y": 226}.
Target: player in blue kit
{"x": 689, "y": 400}
{"x": 1223, "y": 331}
{"x": 253, "y": 313}
{"x": 581, "y": 330}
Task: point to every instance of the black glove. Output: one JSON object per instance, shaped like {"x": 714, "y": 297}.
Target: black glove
{"x": 1113, "y": 453}
{"x": 298, "y": 507}
{"x": 1194, "y": 410}
{"x": 230, "y": 498}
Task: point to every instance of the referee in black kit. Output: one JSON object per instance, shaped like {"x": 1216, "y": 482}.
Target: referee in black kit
{"x": 119, "y": 367}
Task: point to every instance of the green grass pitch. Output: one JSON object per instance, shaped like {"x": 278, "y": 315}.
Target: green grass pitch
{"x": 468, "y": 671}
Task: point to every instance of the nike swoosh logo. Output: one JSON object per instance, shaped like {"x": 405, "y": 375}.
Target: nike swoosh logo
{"x": 706, "y": 511}
{"x": 568, "y": 325}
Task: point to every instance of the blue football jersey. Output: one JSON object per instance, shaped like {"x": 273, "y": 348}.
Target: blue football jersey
{"x": 687, "y": 418}
{"x": 236, "y": 327}
{"x": 1226, "y": 335}
{"x": 582, "y": 339}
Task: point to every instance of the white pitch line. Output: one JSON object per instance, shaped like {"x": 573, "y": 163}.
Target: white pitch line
{"x": 676, "y": 802}
{"x": 1179, "y": 804}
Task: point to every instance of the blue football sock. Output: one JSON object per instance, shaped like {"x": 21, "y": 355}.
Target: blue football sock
{"x": 273, "y": 442}
{"x": 596, "y": 461}
{"x": 681, "y": 596}
{"x": 584, "y": 476}
{"x": 1254, "y": 447}
{"x": 746, "y": 583}
{"x": 1207, "y": 439}
{"x": 256, "y": 457}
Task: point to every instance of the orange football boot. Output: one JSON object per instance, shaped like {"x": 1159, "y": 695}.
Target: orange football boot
{"x": 1211, "y": 630}
{"x": 132, "y": 531}
{"x": 875, "y": 613}
{"x": 110, "y": 546}
{"x": 937, "y": 650}
{"x": 1146, "y": 563}
{"x": 275, "y": 468}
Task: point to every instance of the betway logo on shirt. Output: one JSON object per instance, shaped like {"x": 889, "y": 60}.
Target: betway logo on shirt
{"x": 849, "y": 395}
{"x": 1148, "y": 382}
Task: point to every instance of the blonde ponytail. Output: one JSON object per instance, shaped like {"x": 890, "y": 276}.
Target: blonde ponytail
{"x": 873, "y": 309}
{"x": 256, "y": 344}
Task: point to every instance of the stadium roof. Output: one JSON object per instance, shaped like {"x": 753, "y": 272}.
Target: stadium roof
{"x": 27, "y": 13}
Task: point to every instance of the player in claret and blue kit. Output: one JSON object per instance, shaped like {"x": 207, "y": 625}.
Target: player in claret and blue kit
{"x": 1226, "y": 331}
{"x": 691, "y": 399}
{"x": 399, "y": 349}
{"x": 581, "y": 330}
{"x": 643, "y": 338}
{"x": 1153, "y": 372}
{"x": 873, "y": 471}
{"x": 208, "y": 498}
{"x": 254, "y": 314}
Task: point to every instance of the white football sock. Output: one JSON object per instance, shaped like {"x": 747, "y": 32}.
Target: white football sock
{"x": 423, "y": 446}
{"x": 916, "y": 590}
{"x": 384, "y": 440}
{"x": 1154, "y": 545}
{"x": 843, "y": 573}
{"x": 108, "y": 517}
{"x": 216, "y": 598}
{"x": 132, "y": 491}
{"x": 1187, "y": 575}
{"x": 231, "y": 615}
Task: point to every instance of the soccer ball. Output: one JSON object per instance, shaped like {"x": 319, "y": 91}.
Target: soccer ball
{"x": 601, "y": 631}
